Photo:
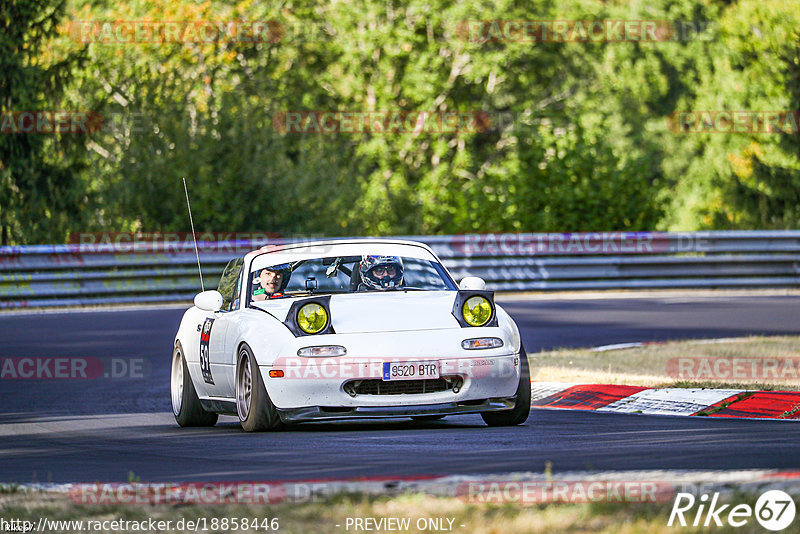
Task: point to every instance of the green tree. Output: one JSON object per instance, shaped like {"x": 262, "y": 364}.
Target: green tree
{"x": 40, "y": 195}
{"x": 745, "y": 180}
{"x": 578, "y": 139}
{"x": 205, "y": 111}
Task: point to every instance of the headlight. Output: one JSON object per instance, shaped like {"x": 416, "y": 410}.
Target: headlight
{"x": 312, "y": 318}
{"x": 477, "y": 310}
{"x": 482, "y": 343}
{"x": 322, "y": 351}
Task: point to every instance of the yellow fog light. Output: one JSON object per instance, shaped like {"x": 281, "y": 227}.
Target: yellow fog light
{"x": 312, "y": 318}
{"x": 477, "y": 311}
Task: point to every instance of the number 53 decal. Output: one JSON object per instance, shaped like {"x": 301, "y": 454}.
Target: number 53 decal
{"x": 205, "y": 361}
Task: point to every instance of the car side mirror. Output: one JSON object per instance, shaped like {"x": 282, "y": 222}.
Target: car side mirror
{"x": 210, "y": 300}
{"x": 472, "y": 283}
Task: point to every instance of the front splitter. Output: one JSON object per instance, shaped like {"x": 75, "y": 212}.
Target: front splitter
{"x": 327, "y": 413}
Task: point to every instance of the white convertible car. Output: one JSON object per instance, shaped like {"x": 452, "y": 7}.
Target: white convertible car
{"x": 346, "y": 329}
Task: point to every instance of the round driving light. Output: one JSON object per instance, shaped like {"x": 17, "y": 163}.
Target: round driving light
{"x": 312, "y": 318}
{"x": 477, "y": 311}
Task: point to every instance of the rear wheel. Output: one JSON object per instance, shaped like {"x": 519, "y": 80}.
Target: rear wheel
{"x": 185, "y": 404}
{"x": 522, "y": 407}
{"x": 255, "y": 409}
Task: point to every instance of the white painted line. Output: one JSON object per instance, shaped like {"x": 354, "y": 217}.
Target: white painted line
{"x": 97, "y": 308}
{"x": 635, "y": 344}
{"x": 617, "y": 346}
{"x": 669, "y": 401}
{"x": 677, "y": 295}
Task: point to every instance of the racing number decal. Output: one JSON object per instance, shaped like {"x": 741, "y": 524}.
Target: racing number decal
{"x": 205, "y": 361}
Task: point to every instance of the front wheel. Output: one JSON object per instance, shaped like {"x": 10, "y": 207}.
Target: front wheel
{"x": 522, "y": 407}
{"x": 185, "y": 404}
{"x": 255, "y": 409}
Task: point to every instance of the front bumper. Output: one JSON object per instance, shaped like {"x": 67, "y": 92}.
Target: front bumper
{"x": 329, "y": 413}
{"x": 322, "y": 384}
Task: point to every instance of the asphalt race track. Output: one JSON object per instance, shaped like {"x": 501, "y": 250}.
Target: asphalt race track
{"x": 106, "y": 428}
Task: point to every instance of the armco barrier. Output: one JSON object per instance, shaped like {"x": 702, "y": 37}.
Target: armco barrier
{"x": 76, "y": 275}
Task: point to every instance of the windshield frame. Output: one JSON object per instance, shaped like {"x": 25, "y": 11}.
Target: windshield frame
{"x": 440, "y": 269}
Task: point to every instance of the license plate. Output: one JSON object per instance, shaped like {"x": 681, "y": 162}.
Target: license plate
{"x": 410, "y": 370}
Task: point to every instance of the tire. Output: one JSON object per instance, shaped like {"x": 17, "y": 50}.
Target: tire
{"x": 522, "y": 407}
{"x": 423, "y": 418}
{"x": 255, "y": 409}
{"x": 185, "y": 405}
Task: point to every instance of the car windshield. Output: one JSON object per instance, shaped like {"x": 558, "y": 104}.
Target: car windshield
{"x": 348, "y": 274}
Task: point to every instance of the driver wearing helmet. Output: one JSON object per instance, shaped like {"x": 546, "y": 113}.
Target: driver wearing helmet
{"x": 380, "y": 272}
{"x": 271, "y": 282}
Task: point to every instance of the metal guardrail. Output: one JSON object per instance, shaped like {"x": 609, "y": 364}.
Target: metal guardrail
{"x": 104, "y": 273}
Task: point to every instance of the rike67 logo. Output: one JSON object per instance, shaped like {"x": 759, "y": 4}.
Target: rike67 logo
{"x": 774, "y": 510}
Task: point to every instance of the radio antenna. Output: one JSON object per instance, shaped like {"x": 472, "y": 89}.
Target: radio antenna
{"x": 194, "y": 238}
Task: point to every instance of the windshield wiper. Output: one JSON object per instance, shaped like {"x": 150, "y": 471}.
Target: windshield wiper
{"x": 405, "y": 288}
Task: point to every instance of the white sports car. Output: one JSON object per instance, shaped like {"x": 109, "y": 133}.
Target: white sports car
{"x": 346, "y": 329}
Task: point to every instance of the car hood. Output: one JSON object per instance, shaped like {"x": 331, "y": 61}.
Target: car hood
{"x": 393, "y": 311}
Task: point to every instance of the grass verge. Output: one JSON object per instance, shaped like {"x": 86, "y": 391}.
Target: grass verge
{"x": 758, "y": 362}
{"x": 324, "y": 516}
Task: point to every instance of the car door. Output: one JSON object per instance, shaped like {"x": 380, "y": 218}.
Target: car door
{"x": 218, "y": 363}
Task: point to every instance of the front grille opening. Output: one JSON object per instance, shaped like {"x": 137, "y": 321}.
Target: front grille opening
{"x": 476, "y": 402}
{"x": 335, "y": 409}
{"x": 376, "y": 386}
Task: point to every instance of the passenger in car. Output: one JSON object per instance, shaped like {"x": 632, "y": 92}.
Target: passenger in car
{"x": 271, "y": 282}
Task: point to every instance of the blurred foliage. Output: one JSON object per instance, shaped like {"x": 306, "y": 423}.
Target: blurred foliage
{"x": 40, "y": 191}
{"x": 578, "y": 138}
{"x": 742, "y": 181}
